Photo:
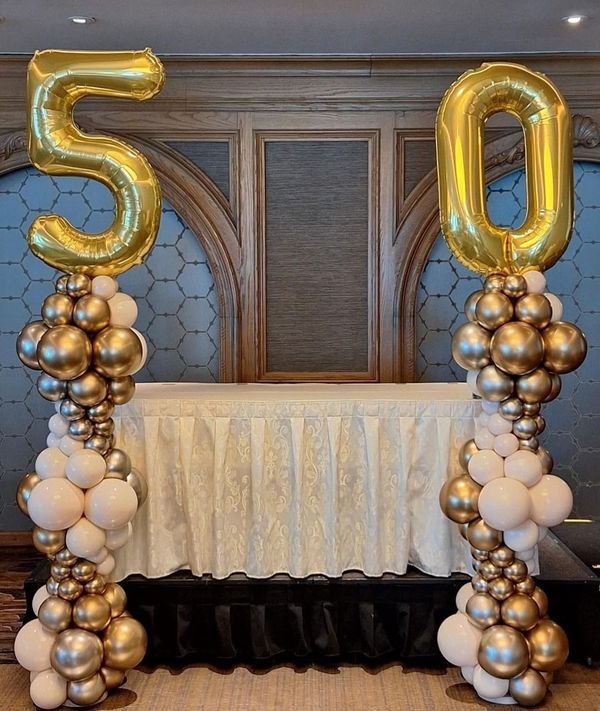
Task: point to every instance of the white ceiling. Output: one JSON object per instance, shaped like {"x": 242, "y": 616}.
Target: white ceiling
{"x": 302, "y": 26}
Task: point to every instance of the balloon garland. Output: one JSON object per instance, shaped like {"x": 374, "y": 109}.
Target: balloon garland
{"x": 514, "y": 347}
{"x": 84, "y": 492}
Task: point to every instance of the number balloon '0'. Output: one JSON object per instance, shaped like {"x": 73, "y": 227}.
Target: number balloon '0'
{"x": 56, "y": 80}
{"x": 542, "y": 111}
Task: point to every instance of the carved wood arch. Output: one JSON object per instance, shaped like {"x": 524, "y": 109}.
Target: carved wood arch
{"x": 419, "y": 227}
{"x": 203, "y": 209}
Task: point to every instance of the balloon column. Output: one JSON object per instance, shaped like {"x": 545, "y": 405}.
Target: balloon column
{"x": 84, "y": 492}
{"x": 514, "y": 346}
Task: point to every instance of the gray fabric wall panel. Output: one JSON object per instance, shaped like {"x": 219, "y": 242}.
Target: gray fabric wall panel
{"x": 212, "y": 157}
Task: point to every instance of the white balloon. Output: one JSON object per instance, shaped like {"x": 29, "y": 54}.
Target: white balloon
{"x": 498, "y": 425}
{"x": 527, "y": 554}
{"x": 551, "y": 501}
{"x": 522, "y": 537}
{"x": 84, "y": 539}
{"x": 542, "y": 533}
{"x": 536, "y": 282}
{"x": 53, "y": 440}
{"x": 58, "y": 425}
{"x": 50, "y": 463}
{"x": 68, "y": 445}
{"x": 506, "y": 444}
{"x": 557, "y": 307}
{"x": 123, "y": 310}
{"x": 57, "y": 405}
{"x": 485, "y": 465}
{"x": 484, "y": 439}
{"x": 99, "y": 556}
{"x": 55, "y": 504}
{"x": 467, "y": 673}
{"x": 489, "y": 406}
{"x": 104, "y": 286}
{"x": 483, "y": 419}
{"x": 86, "y": 468}
{"x": 525, "y": 466}
{"x": 504, "y": 700}
{"x": 48, "y": 690}
{"x": 458, "y": 640}
{"x": 32, "y": 646}
{"x": 41, "y": 594}
{"x": 107, "y": 566}
{"x": 144, "y": 350}
{"x": 487, "y": 685}
{"x": 110, "y": 504}
{"x": 504, "y": 503}
{"x": 463, "y": 595}
{"x": 118, "y": 537}
{"x": 472, "y": 381}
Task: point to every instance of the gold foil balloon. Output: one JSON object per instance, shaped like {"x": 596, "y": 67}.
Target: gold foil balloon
{"x": 529, "y": 688}
{"x": 78, "y": 285}
{"x": 534, "y": 309}
{"x": 516, "y": 348}
{"x": 482, "y": 536}
{"x": 91, "y": 313}
{"x": 503, "y": 652}
{"x": 76, "y": 654}
{"x": 92, "y": 612}
{"x": 125, "y": 642}
{"x": 24, "y": 489}
{"x": 112, "y": 677}
{"x": 64, "y": 352}
{"x": 51, "y": 388}
{"x": 534, "y": 386}
{"x": 56, "y": 80}
{"x": 493, "y": 384}
{"x": 87, "y": 691}
{"x": 458, "y": 499}
{"x": 514, "y": 285}
{"x": 88, "y": 390}
{"x": 48, "y": 542}
{"x": 501, "y": 588}
{"x": 121, "y": 389}
{"x": 471, "y": 305}
{"x": 549, "y": 646}
{"x": 502, "y": 556}
{"x": 57, "y": 310}
{"x": 27, "y": 343}
{"x": 520, "y": 611}
{"x": 541, "y": 600}
{"x": 471, "y": 346}
{"x": 483, "y": 610}
{"x": 117, "y": 352}
{"x": 565, "y": 347}
{"x": 493, "y": 310}
{"x": 466, "y": 106}
{"x": 116, "y": 598}
{"x": 55, "y": 613}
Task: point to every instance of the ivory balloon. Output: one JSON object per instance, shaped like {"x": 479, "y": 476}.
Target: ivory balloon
{"x": 142, "y": 340}
{"x": 105, "y": 287}
{"x": 118, "y": 538}
{"x": 86, "y": 691}
{"x": 64, "y": 352}
{"x": 123, "y": 310}
{"x": 557, "y": 307}
{"x": 484, "y": 439}
{"x": 529, "y": 688}
{"x": 76, "y": 654}
{"x": 58, "y": 425}
{"x": 503, "y": 652}
{"x": 485, "y": 465}
{"x": 50, "y": 462}
{"x": 111, "y": 504}
{"x": 517, "y": 348}
{"x": 522, "y": 537}
{"x": 524, "y": 466}
{"x": 117, "y": 352}
{"x": 549, "y": 646}
{"x": 48, "y": 542}
{"x": 88, "y": 390}
{"x": 471, "y": 346}
{"x": 69, "y": 446}
{"x": 551, "y": 501}
{"x": 483, "y": 610}
{"x": 85, "y": 539}
{"x": 48, "y": 690}
{"x": 91, "y": 313}
{"x": 55, "y": 614}
{"x": 32, "y": 646}
{"x": 520, "y": 611}
{"x": 24, "y": 489}
{"x": 498, "y": 425}
{"x": 467, "y": 673}
{"x": 462, "y": 596}
{"x": 506, "y": 444}
{"x": 489, "y": 407}
{"x": 458, "y": 640}
{"x": 106, "y": 567}
{"x": 125, "y": 642}
{"x": 41, "y": 594}
{"x": 565, "y": 347}
{"x": 458, "y": 499}
{"x": 536, "y": 281}
{"x": 53, "y": 440}
{"x": 534, "y": 309}
{"x": 493, "y": 384}
{"x": 493, "y": 310}
{"x": 55, "y": 504}
{"x": 482, "y": 536}
{"x": 86, "y": 468}
{"x": 489, "y": 686}
{"x": 27, "y": 343}
{"x": 472, "y": 376}
{"x": 504, "y": 503}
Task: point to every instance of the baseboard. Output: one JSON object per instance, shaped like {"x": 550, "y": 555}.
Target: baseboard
{"x": 9, "y": 539}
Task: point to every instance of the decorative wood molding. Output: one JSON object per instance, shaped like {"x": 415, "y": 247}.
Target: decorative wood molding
{"x": 14, "y": 539}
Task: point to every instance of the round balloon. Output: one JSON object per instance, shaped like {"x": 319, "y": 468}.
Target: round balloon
{"x": 503, "y": 652}
{"x": 32, "y": 646}
{"x": 471, "y": 346}
{"x": 64, "y": 352}
{"x": 118, "y": 537}
{"x": 485, "y": 465}
{"x": 111, "y": 504}
{"x": 524, "y": 466}
{"x": 86, "y": 468}
{"x": 27, "y": 343}
{"x": 504, "y": 503}
{"x": 84, "y": 539}
{"x": 50, "y": 463}
{"x": 506, "y": 444}
{"x": 55, "y": 504}
{"x": 488, "y": 686}
{"x": 549, "y": 646}
{"x": 125, "y": 642}
{"x": 565, "y": 347}
{"x": 76, "y": 654}
{"x": 104, "y": 286}
{"x": 123, "y": 310}
{"x": 48, "y": 690}
{"x": 551, "y": 501}
{"x": 458, "y": 640}
{"x": 522, "y": 537}
{"x": 517, "y": 348}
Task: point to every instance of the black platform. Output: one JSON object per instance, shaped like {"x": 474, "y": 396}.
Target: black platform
{"x": 317, "y": 619}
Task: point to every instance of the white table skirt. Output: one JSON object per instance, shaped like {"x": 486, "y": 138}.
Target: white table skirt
{"x": 297, "y": 479}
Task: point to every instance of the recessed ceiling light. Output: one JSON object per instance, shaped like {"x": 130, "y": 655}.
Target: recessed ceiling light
{"x": 574, "y": 19}
{"x": 82, "y": 20}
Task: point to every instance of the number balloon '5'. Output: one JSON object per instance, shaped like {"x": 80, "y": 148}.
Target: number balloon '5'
{"x": 56, "y": 80}
{"x": 542, "y": 111}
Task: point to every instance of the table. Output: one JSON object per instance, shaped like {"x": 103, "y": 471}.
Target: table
{"x": 297, "y": 479}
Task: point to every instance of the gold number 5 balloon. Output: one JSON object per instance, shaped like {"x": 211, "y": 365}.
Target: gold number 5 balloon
{"x": 545, "y": 233}
{"x": 56, "y": 80}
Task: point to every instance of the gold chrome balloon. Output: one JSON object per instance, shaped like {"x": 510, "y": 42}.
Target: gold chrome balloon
{"x": 112, "y": 677}
{"x": 27, "y": 343}
{"x": 529, "y": 688}
{"x": 105, "y": 428}
{"x": 76, "y": 654}
{"x": 99, "y": 443}
{"x": 56, "y": 80}
{"x": 494, "y": 282}
{"x": 51, "y": 388}
{"x": 502, "y": 556}
{"x": 91, "y": 313}
{"x": 493, "y": 310}
{"x": 532, "y": 408}
{"x": 555, "y": 388}
{"x": 138, "y": 483}
{"x": 88, "y": 390}
{"x": 71, "y": 410}
{"x": 471, "y": 346}
{"x": 92, "y": 612}
{"x": 101, "y": 412}
{"x": 116, "y": 598}
{"x": 516, "y": 571}
{"x": 52, "y": 586}
{"x": 565, "y": 347}
{"x": 527, "y": 587}
{"x": 78, "y": 285}
{"x": 479, "y": 554}
{"x": 117, "y": 352}
{"x": 503, "y": 652}
{"x": 520, "y": 611}
{"x": 501, "y": 588}
{"x": 118, "y": 464}
{"x": 84, "y": 571}
{"x": 96, "y": 585}
{"x": 471, "y": 305}
{"x": 525, "y": 427}
{"x": 534, "y": 100}
{"x": 468, "y": 449}
{"x": 479, "y": 584}
{"x": 64, "y": 352}
{"x": 541, "y": 600}
{"x": 534, "y": 309}
{"x": 61, "y": 284}
{"x": 514, "y": 285}
{"x": 70, "y": 589}
{"x": 531, "y": 443}
{"x": 549, "y": 646}
{"x": 121, "y": 389}
{"x": 48, "y": 542}
{"x": 60, "y": 572}
{"x": 493, "y": 384}
{"x": 489, "y": 571}
{"x": 57, "y": 310}
{"x": 24, "y": 489}
{"x": 458, "y": 499}
{"x": 55, "y": 613}
{"x": 87, "y": 691}
{"x": 534, "y": 386}
{"x": 516, "y": 348}
{"x": 511, "y": 409}
{"x": 81, "y": 429}
{"x": 483, "y": 610}
{"x": 125, "y": 642}
{"x": 482, "y": 536}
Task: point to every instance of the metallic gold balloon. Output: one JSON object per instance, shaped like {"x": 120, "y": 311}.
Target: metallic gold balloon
{"x": 546, "y": 460}
{"x": 516, "y": 348}
{"x": 482, "y": 536}
{"x": 87, "y": 691}
{"x": 471, "y": 346}
{"x": 534, "y": 309}
{"x": 483, "y": 610}
{"x": 531, "y": 443}
{"x": 27, "y": 343}
{"x": 534, "y": 386}
{"x": 70, "y": 589}
{"x": 526, "y": 586}
{"x": 89, "y": 389}
{"x": 138, "y": 483}
{"x": 121, "y": 389}
{"x": 479, "y": 584}
{"x": 549, "y": 646}
{"x": 52, "y": 586}
{"x": 61, "y": 284}
{"x": 520, "y": 611}
{"x": 514, "y": 285}
{"x": 81, "y": 429}
{"x": 48, "y": 542}
{"x": 24, "y": 489}
{"x": 489, "y": 571}
{"x": 65, "y": 557}
{"x": 117, "y": 352}
{"x": 125, "y": 642}
{"x": 118, "y": 464}
{"x": 116, "y": 598}
{"x": 458, "y": 499}
{"x": 511, "y": 409}
{"x": 493, "y": 384}
{"x": 501, "y": 588}
{"x": 102, "y": 411}
{"x": 471, "y": 305}
{"x": 525, "y": 427}
{"x": 71, "y": 410}
{"x": 565, "y": 347}
{"x": 493, "y": 310}
{"x": 541, "y": 600}
{"x": 57, "y": 310}
{"x": 91, "y": 313}
{"x": 494, "y": 282}
{"x": 516, "y": 571}
{"x": 532, "y": 408}
{"x": 462, "y": 529}
{"x": 112, "y": 677}
{"x": 479, "y": 554}
{"x": 96, "y": 585}
{"x": 503, "y": 652}
{"x": 76, "y": 654}
{"x": 105, "y": 428}
{"x": 92, "y": 612}
{"x": 78, "y": 285}
{"x": 64, "y": 352}
{"x": 55, "y": 613}
{"x": 84, "y": 571}
{"x": 555, "y": 389}
{"x": 502, "y": 556}
{"x": 56, "y": 80}
{"x": 545, "y": 233}
{"x": 60, "y": 572}
{"x": 99, "y": 443}
{"x": 51, "y": 388}
{"x": 529, "y": 688}
{"x": 540, "y": 423}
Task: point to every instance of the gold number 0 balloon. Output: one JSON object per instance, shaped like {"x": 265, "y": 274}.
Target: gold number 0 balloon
{"x": 56, "y": 80}
{"x": 545, "y": 233}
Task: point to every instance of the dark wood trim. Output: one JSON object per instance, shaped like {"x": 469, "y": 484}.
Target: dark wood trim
{"x": 13, "y": 539}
